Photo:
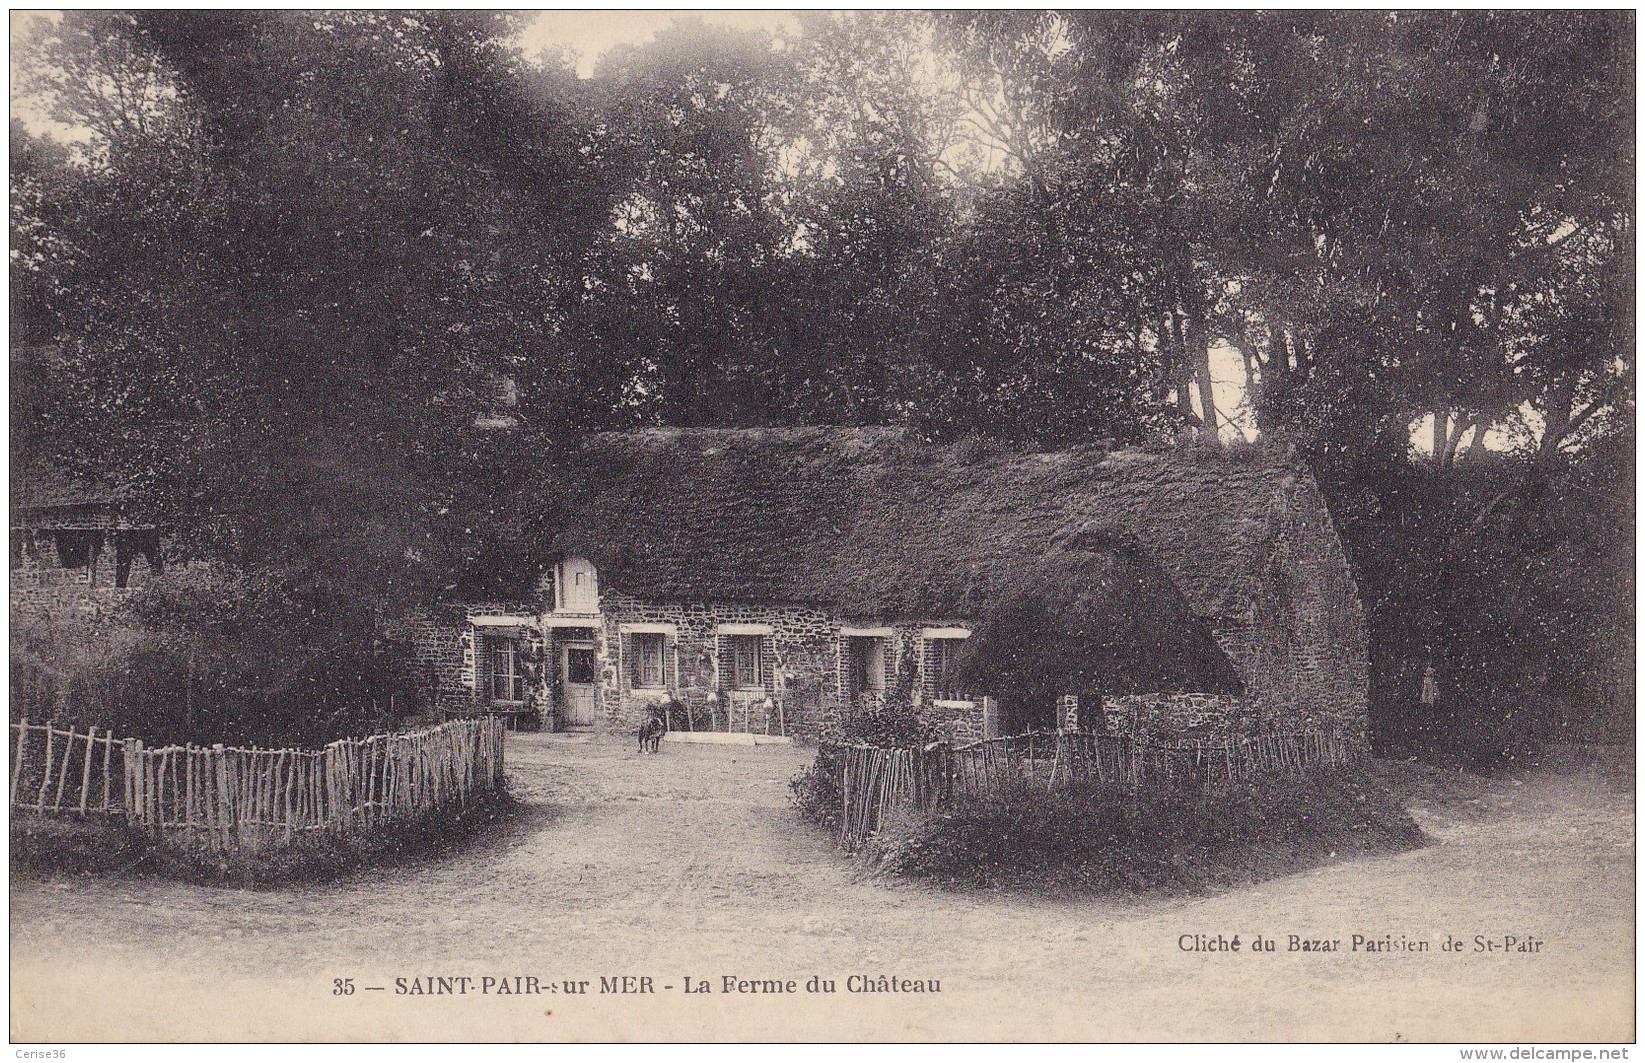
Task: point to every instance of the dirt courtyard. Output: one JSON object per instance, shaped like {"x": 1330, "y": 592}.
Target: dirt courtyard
{"x": 690, "y": 865}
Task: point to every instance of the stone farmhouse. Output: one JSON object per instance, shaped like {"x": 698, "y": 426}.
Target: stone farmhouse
{"x": 778, "y": 581}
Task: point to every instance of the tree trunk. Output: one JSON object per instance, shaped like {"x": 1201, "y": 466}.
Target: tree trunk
{"x": 1180, "y": 367}
{"x": 1199, "y": 350}
{"x": 1278, "y": 366}
{"x": 1556, "y": 419}
{"x": 1276, "y": 374}
{"x": 188, "y": 696}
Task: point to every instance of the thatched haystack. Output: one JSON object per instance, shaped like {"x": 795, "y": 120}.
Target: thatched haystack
{"x": 1093, "y": 618}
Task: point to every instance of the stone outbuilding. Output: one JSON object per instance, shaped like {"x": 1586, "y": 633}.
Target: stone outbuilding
{"x": 779, "y": 581}
{"x": 78, "y": 548}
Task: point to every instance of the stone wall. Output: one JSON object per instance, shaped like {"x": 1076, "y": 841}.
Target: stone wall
{"x": 43, "y": 588}
{"x": 64, "y": 602}
{"x": 1301, "y": 649}
{"x": 436, "y": 639}
{"x": 1306, "y": 649}
{"x": 959, "y": 721}
{"x": 808, "y": 699}
{"x": 801, "y": 667}
{"x": 803, "y": 675}
{"x": 443, "y": 642}
{"x": 1162, "y": 717}
{"x": 799, "y": 688}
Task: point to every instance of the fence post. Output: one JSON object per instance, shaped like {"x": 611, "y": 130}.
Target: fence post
{"x": 845, "y": 796}
{"x": 22, "y": 729}
{"x": 152, "y": 780}
{"x": 225, "y": 810}
{"x": 85, "y": 775}
{"x": 128, "y": 763}
{"x": 953, "y": 771}
{"x": 336, "y": 805}
{"x": 45, "y": 775}
{"x": 282, "y": 792}
{"x": 137, "y": 769}
{"x": 108, "y": 763}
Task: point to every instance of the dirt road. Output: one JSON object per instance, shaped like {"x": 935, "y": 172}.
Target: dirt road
{"x": 689, "y": 864}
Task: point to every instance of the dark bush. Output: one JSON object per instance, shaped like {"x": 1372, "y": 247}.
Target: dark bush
{"x": 891, "y": 721}
{"x": 816, "y": 790}
{"x": 64, "y": 845}
{"x": 74, "y": 845}
{"x": 1108, "y": 839}
{"x": 270, "y": 657}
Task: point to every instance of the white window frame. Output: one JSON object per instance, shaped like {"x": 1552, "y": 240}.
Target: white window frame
{"x": 756, "y": 643}
{"x": 509, "y": 620}
{"x": 513, "y": 644}
{"x": 929, "y": 637}
{"x": 481, "y": 627}
{"x": 639, "y": 640}
{"x": 743, "y": 629}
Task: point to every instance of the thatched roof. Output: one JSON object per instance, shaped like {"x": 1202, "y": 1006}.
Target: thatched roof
{"x": 46, "y": 498}
{"x": 873, "y": 525}
{"x": 40, "y": 487}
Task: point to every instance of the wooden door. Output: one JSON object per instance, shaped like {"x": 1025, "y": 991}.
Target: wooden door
{"x": 577, "y": 683}
{"x": 865, "y": 671}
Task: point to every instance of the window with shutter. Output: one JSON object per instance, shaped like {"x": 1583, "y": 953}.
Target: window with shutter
{"x": 577, "y": 589}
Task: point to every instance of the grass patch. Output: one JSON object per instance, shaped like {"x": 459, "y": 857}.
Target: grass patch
{"x": 47, "y": 845}
{"x": 1105, "y": 839}
{"x": 74, "y": 845}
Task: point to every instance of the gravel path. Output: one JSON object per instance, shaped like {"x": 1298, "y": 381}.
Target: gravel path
{"x": 689, "y": 864}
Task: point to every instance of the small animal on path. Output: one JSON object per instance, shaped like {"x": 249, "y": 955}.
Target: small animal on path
{"x": 651, "y": 733}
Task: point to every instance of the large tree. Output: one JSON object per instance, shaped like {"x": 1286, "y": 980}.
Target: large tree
{"x": 289, "y": 276}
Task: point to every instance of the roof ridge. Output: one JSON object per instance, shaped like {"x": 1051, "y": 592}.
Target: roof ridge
{"x": 870, "y": 519}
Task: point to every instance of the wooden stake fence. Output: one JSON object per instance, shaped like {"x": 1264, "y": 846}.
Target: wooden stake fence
{"x": 56, "y": 769}
{"x": 875, "y": 780}
{"x": 231, "y": 797}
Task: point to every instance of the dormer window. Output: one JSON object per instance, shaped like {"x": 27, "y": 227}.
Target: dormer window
{"x": 499, "y": 402}
{"x": 576, "y": 587}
